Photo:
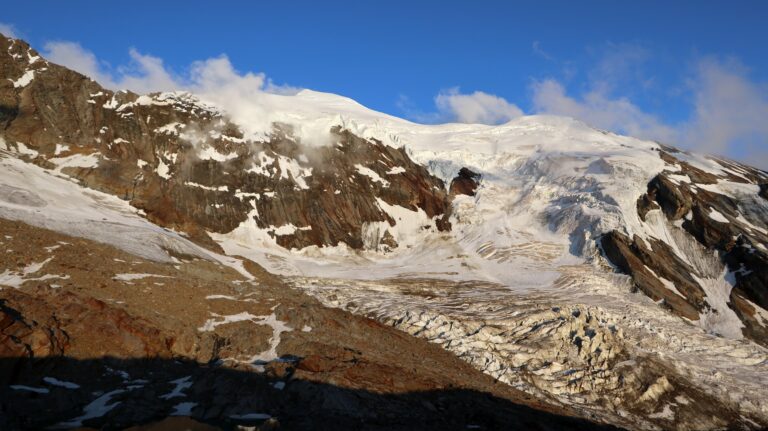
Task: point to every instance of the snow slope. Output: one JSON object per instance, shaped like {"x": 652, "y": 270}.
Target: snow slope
{"x": 51, "y": 200}
{"x": 550, "y": 185}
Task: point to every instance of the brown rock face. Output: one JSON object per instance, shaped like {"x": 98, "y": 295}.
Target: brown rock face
{"x": 673, "y": 201}
{"x": 189, "y": 168}
{"x": 37, "y": 333}
{"x": 635, "y": 258}
{"x": 465, "y": 183}
{"x": 734, "y": 228}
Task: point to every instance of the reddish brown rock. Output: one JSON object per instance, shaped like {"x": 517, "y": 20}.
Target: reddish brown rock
{"x": 734, "y": 238}
{"x": 465, "y": 183}
{"x": 634, "y": 258}
{"x": 94, "y": 327}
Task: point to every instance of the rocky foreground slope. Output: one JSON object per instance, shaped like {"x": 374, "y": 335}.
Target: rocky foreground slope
{"x": 615, "y": 279}
{"x": 93, "y": 336}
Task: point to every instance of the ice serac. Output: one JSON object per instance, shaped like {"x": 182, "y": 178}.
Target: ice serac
{"x": 190, "y": 168}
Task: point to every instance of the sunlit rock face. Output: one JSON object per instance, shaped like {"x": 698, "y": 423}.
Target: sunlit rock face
{"x": 188, "y": 167}
{"x": 710, "y": 262}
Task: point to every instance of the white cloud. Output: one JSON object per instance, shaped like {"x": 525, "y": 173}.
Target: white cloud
{"x": 244, "y": 96}
{"x": 146, "y": 74}
{"x": 8, "y": 30}
{"x": 75, "y": 57}
{"x": 143, "y": 74}
{"x": 477, "y": 107}
{"x": 730, "y": 111}
{"x": 600, "y": 110}
{"x": 728, "y": 115}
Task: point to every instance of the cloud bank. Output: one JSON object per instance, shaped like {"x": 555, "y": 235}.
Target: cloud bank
{"x": 477, "y": 107}
{"x": 452, "y": 106}
{"x": 600, "y": 110}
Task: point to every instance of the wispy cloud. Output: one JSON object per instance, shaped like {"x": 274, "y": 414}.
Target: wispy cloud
{"x": 622, "y": 67}
{"x": 244, "y": 96}
{"x": 728, "y": 109}
{"x": 8, "y": 30}
{"x": 730, "y": 112}
{"x": 477, "y": 107}
{"x": 454, "y": 106}
{"x": 144, "y": 73}
{"x": 538, "y": 50}
{"x": 597, "y": 108}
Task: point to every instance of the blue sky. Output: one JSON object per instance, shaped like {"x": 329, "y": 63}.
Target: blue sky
{"x": 660, "y": 70}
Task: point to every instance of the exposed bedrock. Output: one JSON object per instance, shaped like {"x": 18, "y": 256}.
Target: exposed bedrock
{"x": 465, "y": 183}
{"x": 724, "y": 211}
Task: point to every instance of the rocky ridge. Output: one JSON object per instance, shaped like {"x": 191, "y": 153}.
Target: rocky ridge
{"x": 189, "y": 168}
{"x": 713, "y": 227}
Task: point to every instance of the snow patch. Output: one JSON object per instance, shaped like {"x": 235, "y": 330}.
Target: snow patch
{"x": 209, "y": 188}
{"x": 132, "y": 277}
{"x": 60, "y": 383}
{"x": 396, "y": 170}
{"x": 60, "y": 148}
{"x": 183, "y": 409}
{"x": 717, "y": 216}
{"x": 76, "y": 161}
{"x": 163, "y": 170}
{"x": 95, "y": 409}
{"x": 362, "y": 170}
{"x": 211, "y": 153}
{"x": 181, "y": 385}
{"x": 30, "y": 389}
{"x": 170, "y": 128}
{"x": 24, "y": 80}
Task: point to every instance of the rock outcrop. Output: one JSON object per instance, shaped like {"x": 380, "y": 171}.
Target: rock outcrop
{"x": 718, "y": 217}
{"x": 465, "y": 183}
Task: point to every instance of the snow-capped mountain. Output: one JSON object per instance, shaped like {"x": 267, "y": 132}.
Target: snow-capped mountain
{"x": 623, "y": 278}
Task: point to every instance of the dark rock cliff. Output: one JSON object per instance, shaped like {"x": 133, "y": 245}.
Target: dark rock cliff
{"x": 729, "y": 227}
